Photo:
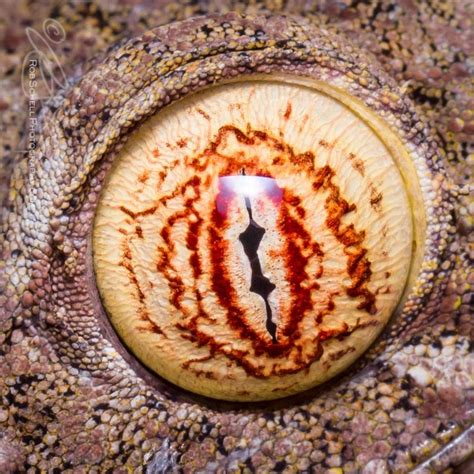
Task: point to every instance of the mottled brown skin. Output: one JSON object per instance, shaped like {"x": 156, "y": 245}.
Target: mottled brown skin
{"x": 70, "y": 402}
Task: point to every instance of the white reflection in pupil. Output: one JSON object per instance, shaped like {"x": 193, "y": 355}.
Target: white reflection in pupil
{"x": 252, "y": 236}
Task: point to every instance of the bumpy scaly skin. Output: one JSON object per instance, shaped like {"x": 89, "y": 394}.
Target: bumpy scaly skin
{"x": 71, "y": 401}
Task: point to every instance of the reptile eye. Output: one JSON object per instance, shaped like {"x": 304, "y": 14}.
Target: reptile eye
{"x": 252, "y": 240}
{"x": 244, "y": 204}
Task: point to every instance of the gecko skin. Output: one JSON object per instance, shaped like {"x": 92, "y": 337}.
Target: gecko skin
{"x": 73, "y": 400}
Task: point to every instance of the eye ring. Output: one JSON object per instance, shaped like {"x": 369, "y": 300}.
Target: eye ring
{"x": 180, "y": 72}
{"x": 151, "y": 151}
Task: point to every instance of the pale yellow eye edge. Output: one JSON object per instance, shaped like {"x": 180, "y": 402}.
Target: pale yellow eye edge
{"x": 255, "y": 389}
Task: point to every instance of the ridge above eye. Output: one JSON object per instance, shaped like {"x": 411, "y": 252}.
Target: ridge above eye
{"x": 253, "y": 239}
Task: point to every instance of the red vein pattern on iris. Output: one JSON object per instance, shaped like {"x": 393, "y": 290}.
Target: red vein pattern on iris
{"x": 185, "y": 241}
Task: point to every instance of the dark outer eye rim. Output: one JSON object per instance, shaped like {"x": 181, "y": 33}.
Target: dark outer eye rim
{"x": 289, "y": 80}
{"x": 53, "y": 228}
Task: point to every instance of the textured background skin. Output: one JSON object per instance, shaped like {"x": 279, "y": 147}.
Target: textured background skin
{"x": 69, "y": 402}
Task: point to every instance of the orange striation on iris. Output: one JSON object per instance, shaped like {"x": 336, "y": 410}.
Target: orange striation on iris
{"x": 248, "y": 257}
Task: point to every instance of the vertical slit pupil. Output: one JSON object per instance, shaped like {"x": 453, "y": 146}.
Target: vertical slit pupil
{"x": 260, "y": 284}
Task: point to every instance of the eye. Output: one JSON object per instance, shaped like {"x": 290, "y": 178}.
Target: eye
{"x": 261, "y": 227}
{"x": 249, "y": 209}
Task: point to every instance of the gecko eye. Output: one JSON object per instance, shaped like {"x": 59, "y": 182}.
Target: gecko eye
{"x": 252, "y": 240}
{"x": 247, "y": 206}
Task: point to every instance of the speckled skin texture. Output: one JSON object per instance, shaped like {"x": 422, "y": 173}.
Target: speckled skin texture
{"x": 73, "y": 399}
